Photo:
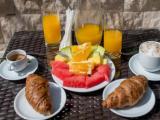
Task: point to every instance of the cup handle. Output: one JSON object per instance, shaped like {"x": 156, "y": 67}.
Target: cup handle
{"x": 11, "y": 68}
{"x": 28, "y": 61}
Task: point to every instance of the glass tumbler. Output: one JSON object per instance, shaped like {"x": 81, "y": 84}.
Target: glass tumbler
{"x": 51, "y": 29}
{"x": 88, "y": 22}
{"x": 113, "y": 38}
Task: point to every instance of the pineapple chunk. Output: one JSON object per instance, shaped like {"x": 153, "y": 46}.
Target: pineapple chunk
{"x": 96, "y": 58}
{"x": 105, "y": 61}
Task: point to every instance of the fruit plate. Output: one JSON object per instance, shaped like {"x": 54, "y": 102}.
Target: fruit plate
{"x": 91, "y": 89}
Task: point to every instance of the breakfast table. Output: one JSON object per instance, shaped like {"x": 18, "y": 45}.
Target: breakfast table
{"x": 79, "y": 106}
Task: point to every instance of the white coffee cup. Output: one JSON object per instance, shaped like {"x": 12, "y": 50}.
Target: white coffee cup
{"x": 147, "y": 58}
{"x": 17, "y": 60}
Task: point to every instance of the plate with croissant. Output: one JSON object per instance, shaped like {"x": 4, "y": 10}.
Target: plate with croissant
{"x": 40, "y": 99}
{"x": 131, "y": 97}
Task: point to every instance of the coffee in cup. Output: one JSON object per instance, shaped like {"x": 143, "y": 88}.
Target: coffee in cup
{"x": 16, "y": 57}
{"x": 17, "y": 60}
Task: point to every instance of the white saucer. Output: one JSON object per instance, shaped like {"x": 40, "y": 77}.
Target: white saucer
{"x": 25, "y": 110}
{"x": 137, "y": 69}
{"x": 11, "y": 75}
{"x": 86, "y": 90}
{"x": 144, "y": 106}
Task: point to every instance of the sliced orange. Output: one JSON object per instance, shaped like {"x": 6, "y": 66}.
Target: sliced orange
{"x": 82, "y": 52}
{"x": 74, "y": 48}
{"x": 83, "y": 67}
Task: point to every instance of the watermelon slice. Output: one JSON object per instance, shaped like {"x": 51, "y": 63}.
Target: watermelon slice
{"x": 61, "y": 73}
{"x": 60, "y": 69}
{"x": 94, "y": 79}
{"x": 60, "y": 64}
{"x": 77, "y": 81}
{"x": 105, "y": 70}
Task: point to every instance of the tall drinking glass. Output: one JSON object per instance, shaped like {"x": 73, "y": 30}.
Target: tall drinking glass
{"x": 52, "y": 30}
{"x": 88, "y": 22}
{"x": 113, "y": 39}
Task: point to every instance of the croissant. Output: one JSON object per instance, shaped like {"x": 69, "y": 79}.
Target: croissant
{"x": 37, "y": 94}
{"x": 128, "y": 93}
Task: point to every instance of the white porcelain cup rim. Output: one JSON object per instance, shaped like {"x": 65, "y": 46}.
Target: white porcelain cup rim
{"x": 16, "y": 51}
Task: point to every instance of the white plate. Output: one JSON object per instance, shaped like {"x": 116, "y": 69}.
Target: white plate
{"x": 25, "y": 110}
{"x": 85, "y": 90}
{"x": 144, "y": 106}
{"x": 137, "y": 69}
{"x": 11, "y": 75}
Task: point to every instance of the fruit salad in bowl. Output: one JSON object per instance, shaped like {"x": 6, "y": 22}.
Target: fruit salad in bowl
{"x": 82, "y": 66}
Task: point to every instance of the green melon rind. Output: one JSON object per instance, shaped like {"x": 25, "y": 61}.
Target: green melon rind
{"x": 67, "y": 51}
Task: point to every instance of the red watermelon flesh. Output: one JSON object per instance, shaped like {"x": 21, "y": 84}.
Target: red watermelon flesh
{"x": 105, "y": 70}
{"x": 60, "y": 64}
{"x": 77, "y": 81}
{"x": 94, "y": 79}
{"x": 61, "y": 70}
{"x": 61, "y": 73}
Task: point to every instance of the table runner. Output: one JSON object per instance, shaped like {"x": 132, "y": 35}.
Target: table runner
{"x": 78, "y": 106}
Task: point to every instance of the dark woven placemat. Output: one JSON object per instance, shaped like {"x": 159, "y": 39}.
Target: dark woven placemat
{"x": 78, "y": 106}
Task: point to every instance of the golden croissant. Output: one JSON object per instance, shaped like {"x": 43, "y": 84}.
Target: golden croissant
{"x": 37, "y": 94}
{"x": 128, "y": 93}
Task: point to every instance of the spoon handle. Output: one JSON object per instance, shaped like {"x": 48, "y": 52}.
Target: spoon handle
{"x": 3, "y": 58}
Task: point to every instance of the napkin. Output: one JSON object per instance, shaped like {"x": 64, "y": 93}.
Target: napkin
{"x": 67, "y": 38}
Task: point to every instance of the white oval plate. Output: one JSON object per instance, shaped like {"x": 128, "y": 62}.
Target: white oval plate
{"x": 144, "y": 106}
{"x": 25, "y": 110}
{"x": 137, "y": 69}
{"x": 11, "y": 75}
{"x": 85, "y": 90}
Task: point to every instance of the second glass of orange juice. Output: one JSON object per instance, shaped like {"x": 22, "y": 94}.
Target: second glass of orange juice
{"x": 113, "y": 46}
{"x": 89, "y": 33}
{"x": 88, "y": 22}
{"x": 113, "y": 42}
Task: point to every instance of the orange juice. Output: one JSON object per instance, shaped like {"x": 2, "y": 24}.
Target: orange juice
{"x": 52, "y": 29}
{"x": 113, "y": 41}
{"x": 113, "y": 46}
{"x": 89, "y": 33}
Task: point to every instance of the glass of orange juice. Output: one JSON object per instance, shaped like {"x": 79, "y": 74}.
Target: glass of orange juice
{"x": 88, "y": 22}
{"x": 51, "y": 28}
{"x": 113, "y": 41}
{"x": 52, "y": 31}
